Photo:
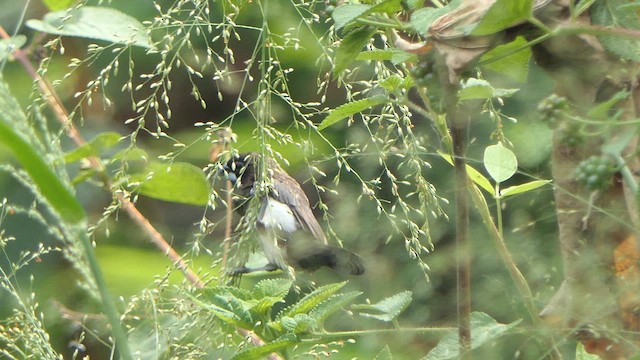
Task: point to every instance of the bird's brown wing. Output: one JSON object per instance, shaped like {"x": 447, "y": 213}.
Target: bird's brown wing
{"x": 289, "y": 192}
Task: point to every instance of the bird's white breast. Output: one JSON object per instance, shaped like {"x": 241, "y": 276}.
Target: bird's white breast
{"x": 279, "y": 216}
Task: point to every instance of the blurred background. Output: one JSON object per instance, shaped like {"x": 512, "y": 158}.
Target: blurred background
{"x": 131, "y": 263}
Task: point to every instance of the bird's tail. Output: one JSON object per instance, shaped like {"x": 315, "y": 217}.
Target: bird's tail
{"x": 313, "y": 255}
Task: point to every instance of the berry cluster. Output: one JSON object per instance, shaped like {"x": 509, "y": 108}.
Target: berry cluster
{"x": 551, "y": 109}
{"x": 595, "y": 172}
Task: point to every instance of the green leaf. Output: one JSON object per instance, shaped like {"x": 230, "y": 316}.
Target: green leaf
{"x": 272, "y": 287}
{"x": 582, "y": 354}
{"x": 299, "y": 324}
{"x": 510, "y": 59}
{"x": 350, "y": 47}
{"x": 55, "y": 5}
{"x": 500, "y": 162}
{"x": 227, "y": 307}
{"x": 483, "y": 329}
{"x": 611, "y": 14}
{"x": 617, "y": 144}
{"x": 257, "y": 353}
{"x": 178, "y": 182}
{"x": 349, "y": 109}
{"x": 601, "y": 110}
{"x": 311, "y": 300}
{"x": 344, "y": 14}
{"x": 473, "y": 174}
{"x": 481, "y": 89}
{"x": 384, "y": 354}
{"x": 522, "y": 188}
{"x": 97, "y": 23}
{"x": 421, "y": 19}
{"x": 332, "y": 304}
{"x": 61, "y": 199}
{"x": 389, "y": 308}
{"x": 8, "y": 46}
{"x": 101, "y": 142}
{"x": 503, "y": 14}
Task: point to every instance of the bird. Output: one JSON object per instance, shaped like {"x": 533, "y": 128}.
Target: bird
{"x": 288, "y": 232}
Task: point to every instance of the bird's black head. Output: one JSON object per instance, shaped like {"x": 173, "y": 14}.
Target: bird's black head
{"x": 241, "y": 167}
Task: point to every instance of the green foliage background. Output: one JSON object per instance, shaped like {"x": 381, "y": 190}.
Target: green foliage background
{"x": 136, "y": 272}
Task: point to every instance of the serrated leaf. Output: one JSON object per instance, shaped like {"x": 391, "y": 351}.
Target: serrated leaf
{"x": 389, "y": 308}
{"x": 611, "y": 14}
{"x": 483, "y": 329}
{"x": 278, "y": 288}
{"x": 99, "y": 23}
{"x": 311, "y": 300}
{"x": 384, "y": 354}
{"x": 473, "y": 174}
{"x": 510, "y": 59}
{"x": 54, "y": 191}
{"x": 178, "y": 182}
{"x": 348, "y": 109}
{"x": 522, "y": 188}
{"x": 55, "y": 5}
{"x": 300, "y": 323}
{"x": 332, "y": 304}
{"x": 344, "y": 14}
{"x": 500, "y": 162}
{"x": 227, "y": 308}
{"x": 481, "y": 89}
{"x": 350, "y": 47}
{"x": 8, "y": 46}
{"x": 101, "y": 142}
{"x": 257, "y": 353}
{"x": 503, "y": 14}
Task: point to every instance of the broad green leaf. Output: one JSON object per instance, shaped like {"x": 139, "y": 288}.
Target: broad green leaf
{"x": 582, "y": 354}
{"x": 522, "y": 188}
{"x": 350, "y": 47}
{"x": 299, "y": 324}
{"x": 611, "y": 14}
{"x": 601, "y": 110}
{"x": 384, "y": 354}
{"x": 7, "y": 46}
{"x": 473, "y": 174}
{"x": 483, "y": 329}
{"x": 389, "y": 308}
{"x": 344, "y": 14}
{"x": 502, "y": 15}
{"x": 55, "y": 5}
{"x": 312, "y": 300}
{"x": 227, "y": 308}
{"x": 332, "y": 304}
{"x": 178, "y": 182}
{"x": 272, "y": 287}
{"x": 99, "y": 23}
{"x": 500, "y": 162}
{"x": 510, "y": 59}
{"x": 481, "y": 89}
{"x": 349, "y": 109}
{"x": 421, "y": 19}
{"x": 258, "y": 353}
{"x": 50, "y": 186}
{"x": 101, "y": 142}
